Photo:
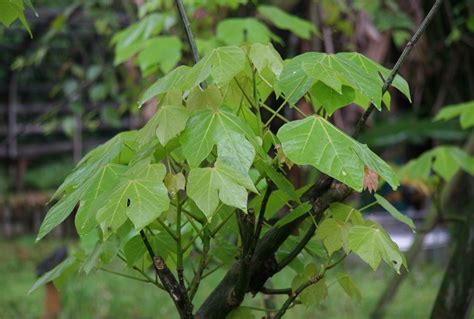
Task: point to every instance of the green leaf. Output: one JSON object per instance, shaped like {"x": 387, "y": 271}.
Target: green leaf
{"x": 237, "y": 31}
{"x": 294, "y": 214}
{"x": 105, "y": 180}
{"x": 220, "y": 127}
{"x": 209, "y": 98}
{"x": 314, "y": 294}
{"x": 330, "y": 99}
{"x": 68, "y": 264}
{"x": 206, "y": 186}
{"x": 345, "y": 213}
{"x": 465, "y": 112}
{"x": 222, "y": 64}
{"x": 12, "y": 10}
{"x": 170, "y": 81}
{"x": 314, "y": 141}
{"x": 278, "y": 178}
{"x": 349, "y": 286}
{"x": 372, "y": 244}
{"x": 171, "y": 120}
{"x": 265, "y": 56}
{"x": 164, "y": 51}
{"x": 335, "y": 70}
{"x": 285, "y": 21}
{"x": 140, "y": 196}
{"x": 394, "y": 212}
{"x": 333, "y": 233}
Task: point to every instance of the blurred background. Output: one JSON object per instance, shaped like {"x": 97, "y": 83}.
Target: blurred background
{"x": 76, "y": 82}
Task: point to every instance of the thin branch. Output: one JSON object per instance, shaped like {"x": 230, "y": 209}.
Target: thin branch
{"x": 298, "y": 248}
{"x": 295, "y": 295}
{"x": 187, "y": 28}
{"x": 406, "y": 51}
{"x": 193, "y": 287}
{"x": 272, "y": 291}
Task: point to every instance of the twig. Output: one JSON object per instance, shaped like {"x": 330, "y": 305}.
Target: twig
{"x": 295, "y": 295}
{"x": 272, "y": 291}
{"x": 406, "y": 51}
{"x": 193, "y": 287}
{"x": 298, "y": 248}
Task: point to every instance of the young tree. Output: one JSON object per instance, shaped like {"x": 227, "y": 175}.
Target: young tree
{"x": 205, "y": 177}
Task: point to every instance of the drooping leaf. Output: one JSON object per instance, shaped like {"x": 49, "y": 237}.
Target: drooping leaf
{"x": 314, "y": 141}
{"x": 348, "y": 285}
{"x": 172, "y": 80}
{"x": 12, "y": 10}
{"x": 105, "y": 180}
{"x": 394, "y": 212}
{"x": 285, "y": 21}
{"x": 333, "y": 233}
{"x": 334, "y": 71}
{"x": 68, "y": 264}
{"x": 372, "y": 244}
{"x": 220, "y": 127}
{"x": 140, "y": 196}
{"x": 207, "y": 186}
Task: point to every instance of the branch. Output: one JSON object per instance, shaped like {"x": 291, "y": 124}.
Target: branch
{"x": 406, "y": 51}
{"x": 295, "y": 295}
{"x": 171, "y": 285}
{"x": 187, "y": 28}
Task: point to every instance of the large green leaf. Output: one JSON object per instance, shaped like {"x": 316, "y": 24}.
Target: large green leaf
{"x": 372, "y": 244}
{"x": 314, "y": 141}
{"x": 140, "y": 196}
{"x": 80, "y": 180}
{"x": 335, "y": 71}
{"x": 285, "y": 21}
{"x": 207, "y": 185}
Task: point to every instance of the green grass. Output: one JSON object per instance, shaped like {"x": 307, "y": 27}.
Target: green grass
{"x": 103, "y": 295}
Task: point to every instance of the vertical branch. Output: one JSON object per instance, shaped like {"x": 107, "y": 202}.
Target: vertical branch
{"x": 179, "y": 247}
{"x": 187, "y": 28}
{"x": 171, "y": 285}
